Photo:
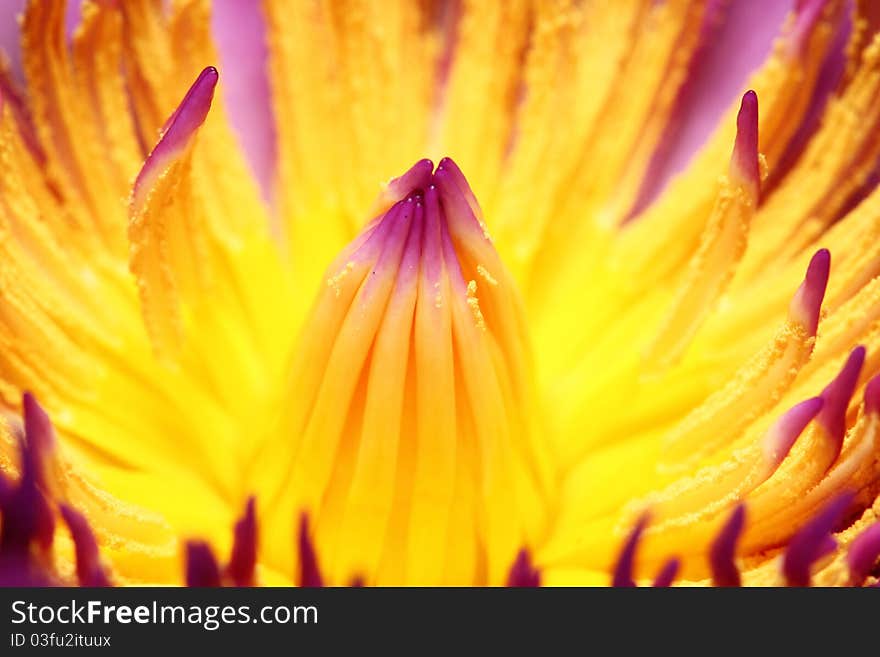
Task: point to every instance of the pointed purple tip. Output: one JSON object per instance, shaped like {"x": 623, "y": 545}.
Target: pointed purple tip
{"x": 667, "y": 573}
{"x": 813, "y": 541}
{"x": 88, "y": 562}
{"x": 523, "y": 572}
{"x": 722, "y": 554}
{"x": 201, "y": 565}
{"x": 37, "y": 425}
{"x": 783, "y": 434}
{"x": 192, "y": 110}
{"x": 177, "y": 132}
{"x": 623, "y": 569}
{"x": 744, "y": 162}
{"x": 309, "y": 569}
{"x": 837, "y": 395}
{"x": 35, "y": 519}
{"x": 807, "y": 301}
{"x": 243, "y": 559}
{"x": 863, "y": 554}
{"x": 417, "y": 177}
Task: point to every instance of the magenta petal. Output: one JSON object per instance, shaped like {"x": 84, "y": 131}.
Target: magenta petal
{"x": 722, "y": 554}
{"x": 813, "y": 541}
{"x": 309, "y": 569}
{"x": 201, "y": 565}
{"x": 864, "y": 553}
{"x": 177, "y": 133}
{"x": 88, "y": 563}
{"x": 837, "y": 395}
{"x": 667, "y": 573}
{"x": 807, "y": 301}
{"x": 243, "y": 560}
{"x": 623, "y": 569}
{"x": 523, "y": 572}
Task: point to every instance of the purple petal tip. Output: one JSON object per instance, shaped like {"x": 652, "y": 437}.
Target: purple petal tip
{"x": 722, "y": 554}
{"x": 177, "y": 133}
{"x": 623, "y": 569}
{"x": 813, "y": 541}
{"x": 667, "y": 573}
{"x": 201, "y": 565}
{"x": 744, "y": 163}
{"x": 88, "y": 562}
{"x": 418, "y": 176}
{"x": 37, "y": 425}
{"x": 243, "y": 560}
{"x": 523, "y": 572}
{"x": 837, "y": 395}
{"x": 863, "y": 554}
{"x": 807, "y": 302}
{"x": 872, "y": 396}
{"x": 783, "y": 434}
{"x": 309, "y": 569}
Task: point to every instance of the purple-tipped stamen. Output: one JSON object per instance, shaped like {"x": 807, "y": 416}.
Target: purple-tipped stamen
{"x": 722, "y": 554}
{"x": 243, "y": 560}
{"x": 783, "y": 434}
{"x": 744, "y": 161}
{"x": 28, "y": 527}
{"x": 667, "y": 573}
{"x": 872, "y": 396}
{"x": 88, "y": 562}
{"x": 201, "y": 565}
{"x": 837, "y": 395}
{"x": 28, "y": 516}
{"x": 813, "y": 541}
{"x": 177, "y": 132}
{"x": 623, "y": 569}
{"x": 523, "y": 572}
{"x": 807, "y": 301}
{"x": 864, "y": 554}
{"x": 309, "y": 569}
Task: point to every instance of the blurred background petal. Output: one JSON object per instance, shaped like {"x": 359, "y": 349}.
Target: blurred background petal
{"x": 740, "y": 43}
{"x": 241, "y": 37}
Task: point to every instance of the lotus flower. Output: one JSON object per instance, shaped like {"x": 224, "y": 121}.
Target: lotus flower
{"x": 575, "y": 350}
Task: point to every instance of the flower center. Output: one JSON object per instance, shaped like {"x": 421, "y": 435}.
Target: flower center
{"x": 409, "y": 433}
